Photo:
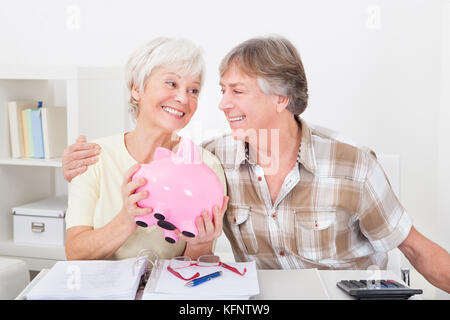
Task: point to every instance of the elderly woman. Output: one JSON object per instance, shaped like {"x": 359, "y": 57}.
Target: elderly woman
{"x": 164, "y": 78}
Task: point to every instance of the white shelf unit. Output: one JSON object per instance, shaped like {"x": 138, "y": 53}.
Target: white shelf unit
{"x": 96, "y": 102}
{"x": 56, "y": 162}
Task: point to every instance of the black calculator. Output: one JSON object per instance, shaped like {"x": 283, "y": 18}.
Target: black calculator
{"x": 380, "y": 290}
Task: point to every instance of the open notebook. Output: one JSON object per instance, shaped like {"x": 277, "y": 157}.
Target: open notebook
{"x": 95, "y": 279}
{"x": 163, "y": 285}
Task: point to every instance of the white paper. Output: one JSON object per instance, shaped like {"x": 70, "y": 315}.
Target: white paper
{"x": 228, "y": 284}
{"x": 97, "y": 279}
{"x": 304, "y": 284}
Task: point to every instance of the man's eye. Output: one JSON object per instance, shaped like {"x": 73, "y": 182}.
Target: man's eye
{"x": 194, "y": 91}
{"x": 237, "y": 91}
{"x": 171, "y": 83}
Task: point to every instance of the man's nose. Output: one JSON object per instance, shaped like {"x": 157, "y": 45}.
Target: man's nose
{"x": 225, "y": 104}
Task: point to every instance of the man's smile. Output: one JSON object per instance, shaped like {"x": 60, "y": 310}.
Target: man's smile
{"x": 238, "y": 118}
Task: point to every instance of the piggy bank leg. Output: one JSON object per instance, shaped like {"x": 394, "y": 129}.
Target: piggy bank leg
{"x": 189, "y": 229}
{"x": 145, "y": 220}
{"x": 170, "y": 236}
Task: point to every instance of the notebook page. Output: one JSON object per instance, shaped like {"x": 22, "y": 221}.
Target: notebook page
{"x": 229, "y": 284}
{"x": 96, "y": 279}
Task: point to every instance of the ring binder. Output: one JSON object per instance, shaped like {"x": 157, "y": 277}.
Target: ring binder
{"x": 146, "y": 255}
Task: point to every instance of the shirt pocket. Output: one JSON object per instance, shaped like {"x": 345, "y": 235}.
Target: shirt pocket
{"x": 240, "y": 220}
{"x": 315, "y": 232}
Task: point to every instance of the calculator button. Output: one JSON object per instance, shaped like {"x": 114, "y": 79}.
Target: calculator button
{"x": 357, "y": 284}
{"x": 346, "y": 283}
{"x": 395, "y": 284}
{"x": 387, "y": 284}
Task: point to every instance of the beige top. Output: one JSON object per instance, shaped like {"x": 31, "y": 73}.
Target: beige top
{"x": 95, "y": 198}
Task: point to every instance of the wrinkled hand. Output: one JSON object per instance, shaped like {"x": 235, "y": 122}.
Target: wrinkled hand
{"x": 78, "y": 156}
{"x": 207, "y": 229}
{"x": 130, "y": 208}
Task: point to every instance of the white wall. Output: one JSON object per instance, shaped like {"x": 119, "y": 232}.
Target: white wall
{"x": 443, "y": 167}
{"x": 377, "y": 70}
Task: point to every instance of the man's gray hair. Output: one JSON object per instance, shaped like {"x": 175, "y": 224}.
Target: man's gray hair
{"x": 160, "y": 52}
{"x": 276, "y": 64}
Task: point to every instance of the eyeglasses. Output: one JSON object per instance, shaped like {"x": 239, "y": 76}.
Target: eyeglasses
{"x": 202, "y": 261}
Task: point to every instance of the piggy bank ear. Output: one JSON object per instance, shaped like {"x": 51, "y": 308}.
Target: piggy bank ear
{"x": 189, "y": 152}
{"x": 161, "y": 153}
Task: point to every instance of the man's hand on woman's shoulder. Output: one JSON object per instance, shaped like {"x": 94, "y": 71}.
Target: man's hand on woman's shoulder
{"x": 78, "y": 156}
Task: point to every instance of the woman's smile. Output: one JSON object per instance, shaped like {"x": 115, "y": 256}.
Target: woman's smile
{"x": 178, "y": 114}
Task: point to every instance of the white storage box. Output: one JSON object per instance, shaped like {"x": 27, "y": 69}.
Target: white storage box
{"x": 41, "y": 222}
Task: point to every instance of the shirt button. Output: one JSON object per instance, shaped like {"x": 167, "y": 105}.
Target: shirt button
{"x": 282, "y": 253}
{"x": 274, "y": 215}
{"x": 259, "y": 179}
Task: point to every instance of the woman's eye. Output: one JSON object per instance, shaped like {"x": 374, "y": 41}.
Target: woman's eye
{"x": 171, "y": 83}
{"x": 237, "y": 92}
{"x": 194, "y": 91}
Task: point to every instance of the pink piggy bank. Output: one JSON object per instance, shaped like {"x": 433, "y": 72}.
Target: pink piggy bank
{"x": 180, "y": 186}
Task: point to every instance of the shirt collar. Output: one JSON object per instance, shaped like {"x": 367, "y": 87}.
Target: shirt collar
{"x": 242, "y": 154}
{"x": 305, "y": 155}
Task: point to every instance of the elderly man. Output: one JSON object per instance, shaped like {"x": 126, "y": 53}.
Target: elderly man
{"x": 299, "y": 198}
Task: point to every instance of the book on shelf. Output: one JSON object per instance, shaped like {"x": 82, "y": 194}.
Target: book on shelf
{"x": 28, "y": 133}
{"x": 24, "y": 134}
{"x": 54, "y": 131}
{"x": 36, "y": 132}
{"x": 16, "y": 125}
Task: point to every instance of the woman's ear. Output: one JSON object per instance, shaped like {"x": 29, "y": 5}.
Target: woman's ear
{"x": 282, "y": 103}
{"x": 135, "y": 94}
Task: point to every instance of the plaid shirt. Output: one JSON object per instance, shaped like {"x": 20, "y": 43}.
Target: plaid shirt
{"x": 335, "y": 210}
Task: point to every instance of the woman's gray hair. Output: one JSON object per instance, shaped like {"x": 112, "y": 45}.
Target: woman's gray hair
{"x": 276, "y": 64}
{"x": 180, "y": 53}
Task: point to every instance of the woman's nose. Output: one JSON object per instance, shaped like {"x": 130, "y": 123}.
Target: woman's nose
{"x": 181, "y": 97}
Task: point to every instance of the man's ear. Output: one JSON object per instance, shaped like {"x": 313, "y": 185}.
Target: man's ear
{"x": 282, "y": 102}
